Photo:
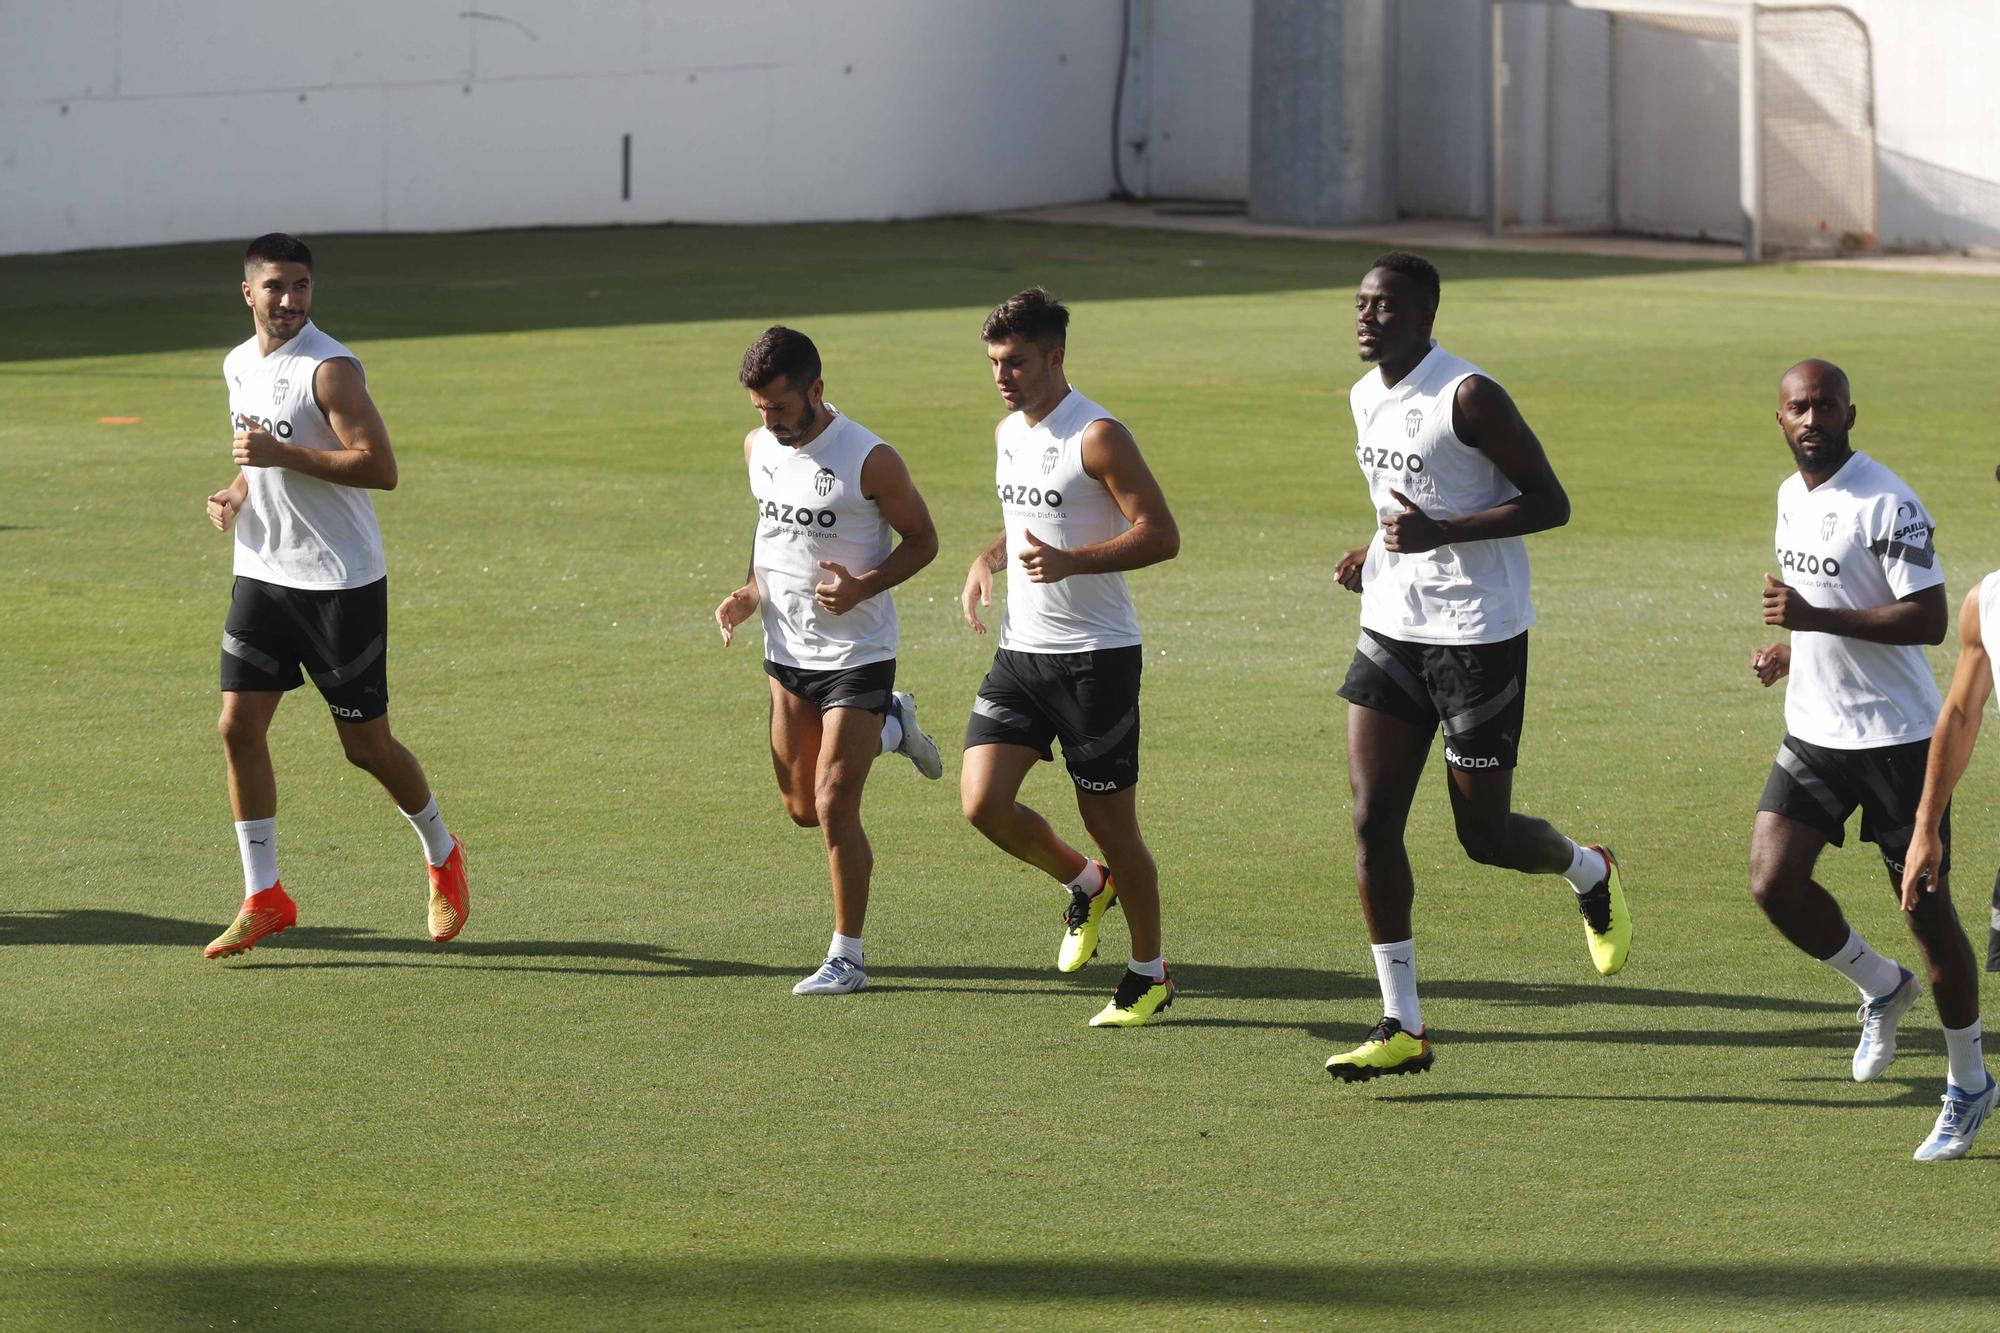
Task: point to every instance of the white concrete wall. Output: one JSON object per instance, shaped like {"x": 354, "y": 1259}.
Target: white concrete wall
{"x": 137, "y": 121}
{"x": 1187, "y": 108}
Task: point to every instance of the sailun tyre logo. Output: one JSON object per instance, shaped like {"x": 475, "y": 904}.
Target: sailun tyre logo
{"x": 823, "y": 482}
{"x": 1049, "y": 457}
{"x": 1413, "y": 421}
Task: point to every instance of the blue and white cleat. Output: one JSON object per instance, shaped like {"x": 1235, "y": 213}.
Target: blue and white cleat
{"x": 836, "y": 976}
{"x": 917, "y": 745}
{"x": 1878, "y": 1027}
{"x": 1961, "y": 1118}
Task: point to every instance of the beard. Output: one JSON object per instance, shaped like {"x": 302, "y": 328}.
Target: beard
{"x": 1829, "y": 449}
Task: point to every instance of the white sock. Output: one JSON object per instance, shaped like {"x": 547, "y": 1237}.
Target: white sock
{"x": 429, "y": 825}
{"x": 1157, "y": 970}
{"x": 1873, "y": 974}
{"x": 892, "y": 733}
{"x": 1396, "y": 970}
{"x": 845, "y": 946}
{"x": 1968, "y": 1064}
{"x": 257, "y": 841}
{"x": 1090, "y": 879}
{"x": 1587, "y": 869}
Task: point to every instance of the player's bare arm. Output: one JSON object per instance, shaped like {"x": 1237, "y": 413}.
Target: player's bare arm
{"x": 1484, "y": 416}
{"x": 979, "y": 581}
{"x": 1922, "y": 617}
{"x": 741, "y": 604}
{"x": 1951, "y": 750}
{"x": 885, "y": 479}
{"x": 364, "y": 459}
{"x": 227, "y": 503}
{"x": 1111, "y": 456}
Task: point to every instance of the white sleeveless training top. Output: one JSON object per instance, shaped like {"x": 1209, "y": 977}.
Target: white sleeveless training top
{"x": 1038, "y": 471}
{"x": 294, "y": 530}
{"x": 810, "y": 508}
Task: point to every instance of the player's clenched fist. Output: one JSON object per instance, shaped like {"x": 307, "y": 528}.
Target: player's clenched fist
{"x": 1347, "y": 569}
{"x": 1770, "y": 663}
{"x": 223, "y": 506}
{"x": 254, "y": 446}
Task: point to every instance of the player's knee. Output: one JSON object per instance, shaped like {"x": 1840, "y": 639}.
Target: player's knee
{"x": 1485, "y": 844}
{"x": 367, "y": 751}
{"x": 1769, "y": 888}
{"x": 836, "y": 800}
{"x": 802, "y": 813}
{"x": 1378, "y": 828}
{"x": 238, "y": 733}
{"x": 983, "y": 810}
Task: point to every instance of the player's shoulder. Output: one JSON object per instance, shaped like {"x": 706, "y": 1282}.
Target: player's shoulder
{"x": 1875, "y": 485}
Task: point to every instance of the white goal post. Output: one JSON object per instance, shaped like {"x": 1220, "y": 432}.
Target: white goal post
{"x": 1640, "y": 116}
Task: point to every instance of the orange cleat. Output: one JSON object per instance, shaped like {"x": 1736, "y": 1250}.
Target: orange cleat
{"x": 265, "y": 913}
{"x": 451, "y": 896}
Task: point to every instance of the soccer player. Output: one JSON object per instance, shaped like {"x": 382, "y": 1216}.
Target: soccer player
{"x": 832, "y": 499}
{"x": 1457, "y": 479}
{"x": 1862, "y": 592}
{"x": 312, "y": 587}
{"x": 1079, "y": 507}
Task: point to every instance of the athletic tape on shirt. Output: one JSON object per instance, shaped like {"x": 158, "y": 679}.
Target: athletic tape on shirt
{"x": 1788, "y": 759}
{"x": 1395, "y": 670}
{"x": 985, "y": 707}
{"x": 1463, "y": 722}
{"x": 1106, "y": 741}
{"x": 340, "y": 675}
{"x": 872, "y": 699}
{"x": 264, "y": 662}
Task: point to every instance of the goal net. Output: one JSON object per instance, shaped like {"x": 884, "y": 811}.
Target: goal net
{"x": 1715, "y": 120}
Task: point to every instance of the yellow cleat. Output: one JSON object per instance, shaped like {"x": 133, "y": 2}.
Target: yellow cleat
{"x": 1607, "y": 922}
{"x": 1137, "y": 1001}
{"x": 1388, "y": 1050}
{"x": 1080, "y": 921}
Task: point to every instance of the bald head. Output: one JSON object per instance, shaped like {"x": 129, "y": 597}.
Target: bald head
{"x": 1815, "y": 373}
{"x": 1816, "y": 414}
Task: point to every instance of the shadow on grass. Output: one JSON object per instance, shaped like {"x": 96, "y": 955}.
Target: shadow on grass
{"x": 81, "y": 927}
{"x": 1908, "y": 1092}
{"x": 128, "y": 302}
{"x": 811, "y": 1289}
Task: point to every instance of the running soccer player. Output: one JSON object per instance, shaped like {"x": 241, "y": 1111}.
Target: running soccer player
{"x": 1862, "y": 592}
{"x": 831, "y": 498}
{"x": 1457, "y": 480}
{"x": 312, "y": 586}
{"x": 1957, "y": 730}
{"x": 1079, "y": 507}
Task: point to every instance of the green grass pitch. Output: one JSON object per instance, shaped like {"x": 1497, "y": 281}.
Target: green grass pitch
{"x": 602, "y": 1108}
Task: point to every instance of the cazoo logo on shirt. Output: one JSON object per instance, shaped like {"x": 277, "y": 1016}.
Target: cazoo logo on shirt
{"x": 1804, "y": 562}
{"x": 1395, "y": 460}
{"x": 1034, "y": 497}
{"x": 799, "y": 515}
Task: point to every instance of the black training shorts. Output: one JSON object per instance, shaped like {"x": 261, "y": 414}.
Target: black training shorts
{"x": 340, "y": 636}
{"x": 1820, "y": 787}
{"x": 1476, "y": 691}
{"x": 1089, "y": 701}
{"x": 864, "y": 687}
